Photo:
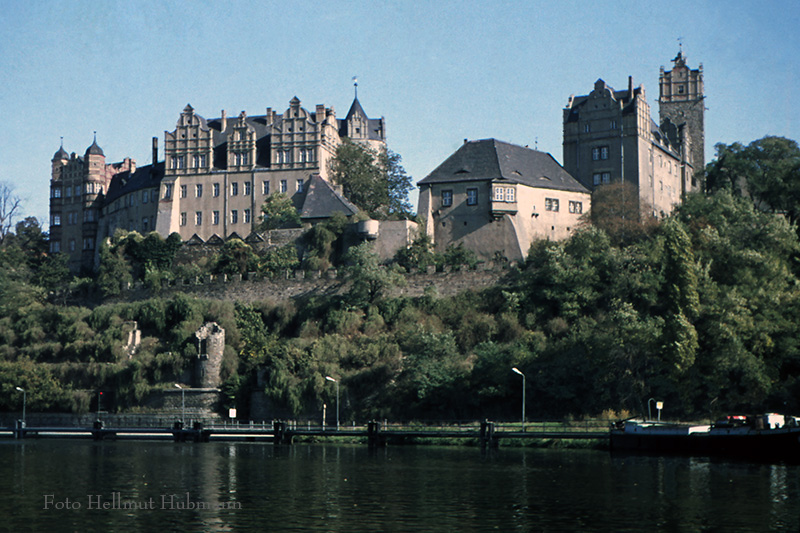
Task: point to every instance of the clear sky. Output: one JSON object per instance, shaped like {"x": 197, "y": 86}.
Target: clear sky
{"x": 439, "y": 71}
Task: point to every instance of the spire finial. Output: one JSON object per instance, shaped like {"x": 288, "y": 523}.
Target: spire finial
{"x": 355, "y": 85}
{"x": 62, "y": 142}
{"x": 95, "y": 137}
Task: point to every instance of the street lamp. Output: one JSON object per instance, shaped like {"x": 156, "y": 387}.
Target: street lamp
{"x": 183, "y": 405}
{"x": 517, "y": 371}
{"x": 24, "y": 401}
{"x": 337, "y": 400}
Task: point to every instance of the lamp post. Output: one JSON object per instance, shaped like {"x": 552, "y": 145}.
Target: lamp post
{"x": 183, "y": 405}
{"x": 337, "y": 400}
{"x": 517, "y": 371}
{"x": 24, "y": 401}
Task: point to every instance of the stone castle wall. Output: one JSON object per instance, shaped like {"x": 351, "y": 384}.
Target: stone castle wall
{"x": 300, "y": 284}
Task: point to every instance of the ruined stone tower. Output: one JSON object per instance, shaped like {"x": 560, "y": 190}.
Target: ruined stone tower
{"x": 210, "y": 347}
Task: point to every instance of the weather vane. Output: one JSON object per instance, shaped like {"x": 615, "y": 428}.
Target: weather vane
{"x": 355, "y": 84}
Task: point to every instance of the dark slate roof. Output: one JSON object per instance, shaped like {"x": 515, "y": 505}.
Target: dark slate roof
{"x": 374, "y": 125}
{"x": 142, "y": 178}
{"x": 61, "y": 155}
{"x": 322, "y": 200}
{"x": 490, "y": 159}
{"x": 94, "y": 149}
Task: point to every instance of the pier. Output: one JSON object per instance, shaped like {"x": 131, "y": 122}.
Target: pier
{"x": 280, "y": 432}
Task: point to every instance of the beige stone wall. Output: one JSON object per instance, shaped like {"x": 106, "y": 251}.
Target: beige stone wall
{"x": 509, "y": 235}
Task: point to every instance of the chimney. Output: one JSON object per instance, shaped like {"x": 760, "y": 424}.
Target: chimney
{"x": 223, "y": 120}
{"x": 630, "y": 86}
{"x": 320, "y": 113}
{"x": 269, "y": 115}
{"x": 155, "y": 150}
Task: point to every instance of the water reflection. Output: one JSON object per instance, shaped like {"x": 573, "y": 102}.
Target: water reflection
{"x": 345, "y": 488}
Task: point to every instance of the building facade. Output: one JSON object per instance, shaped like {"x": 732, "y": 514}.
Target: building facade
{"x": 610, "y": 137}
{"x": 497, "y": 198}
{"x": 213, "y": 180}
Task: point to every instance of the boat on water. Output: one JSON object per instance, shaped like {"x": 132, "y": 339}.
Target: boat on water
{"x": 769, "y": 437}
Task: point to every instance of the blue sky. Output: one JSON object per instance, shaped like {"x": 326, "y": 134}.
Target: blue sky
{"x": 439, "y": 72}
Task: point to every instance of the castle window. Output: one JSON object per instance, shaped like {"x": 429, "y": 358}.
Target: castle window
{"x": 55, "y": 247}
{"x": 56, "y": 192}
{"x": 215, "y": 188}
{"x": 88, "y": 244}
{"x": 72, "y": 245}
{"x": 144, "y": 197}
{"x": 234, "y": 189}
{"x": 55, "y": 220}
{"x": 447, "y": 198}
{"x": 551, "y": 204}
{"x": 265, "y": 188}
{"x": 178, "y": 162}
{"x": 499, "y": 195}
{"x": 145, "y": 223}
{"x": 246, "y": 216}
{"x": 587, "y": 128}
{"x": 183, "y": 219}
{"x": 68, "y": 192}
{"x": 284, "y": 186}
{"x": 77, "y": 191}
{"x": 183, "y": 191}
{"x": 576, "y": 207}
{"x": 215, "y": 217}
{"x": 198, "y": 190}
{"x": 299, "y": 185}
{"x": 247, "y": 188}
{"x": 511, "y": 194}
{"x": 599, "y": 153}
{"x": 198, "y": 218}
{"x": 472, "y": 196}
{"x": 234, "y": 216}
{"x": 613, "y": 124}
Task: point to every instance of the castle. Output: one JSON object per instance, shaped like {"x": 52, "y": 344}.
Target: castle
{"x": 497, "y": 198}
{"x": 610, "y": 137}
{"x": 492, "y": 197}
{"x": 212, "y": 182}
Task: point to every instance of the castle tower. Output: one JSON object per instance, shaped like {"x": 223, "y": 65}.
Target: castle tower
{"x": 59, "y": 161}
{"x": 680, "y": 102}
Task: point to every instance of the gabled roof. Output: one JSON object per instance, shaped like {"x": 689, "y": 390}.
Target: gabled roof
{"x": 322, "y": 200}
{"x": 143, "y": 178}
{"x": 493, "y": 160}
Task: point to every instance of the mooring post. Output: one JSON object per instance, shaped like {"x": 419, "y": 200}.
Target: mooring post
{"x": 374, "y": 434}
{"x": 19, "y": 431}
{"x": 97, "y": 430}
{"x": 278, "y": 432}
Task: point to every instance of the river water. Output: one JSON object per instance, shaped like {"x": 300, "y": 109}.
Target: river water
{"x": 70, "y": 485}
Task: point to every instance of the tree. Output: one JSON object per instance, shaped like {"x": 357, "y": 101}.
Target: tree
{"x": 369, "y": 279}
{"x": 278, "y": 211}
{"x": 236, "y": 257}
{"x": 375, "y": 181}
{"x": 10, "y": 204}
{"x": 618, "y": 210}
{"x": 766, "y": 170}
{"x": 399, "y": 184}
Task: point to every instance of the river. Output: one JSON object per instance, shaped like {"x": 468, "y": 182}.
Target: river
{"x": 70, "y": 485}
